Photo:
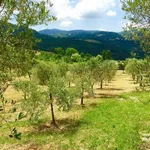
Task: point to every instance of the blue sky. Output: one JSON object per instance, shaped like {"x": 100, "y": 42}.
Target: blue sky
{"x": 86, "y": 14}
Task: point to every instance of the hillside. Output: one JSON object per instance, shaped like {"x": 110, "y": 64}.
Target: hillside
{"x": 92, "y": 42}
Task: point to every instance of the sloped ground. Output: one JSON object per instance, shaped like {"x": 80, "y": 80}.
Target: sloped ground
{"x": 103, "y": 123}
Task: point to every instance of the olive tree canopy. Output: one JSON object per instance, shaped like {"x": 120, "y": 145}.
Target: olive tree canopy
{"x": 17, "y": 40}
{"x": 138, "y": 18}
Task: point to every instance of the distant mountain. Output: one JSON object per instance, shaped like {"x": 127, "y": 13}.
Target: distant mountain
{"x": 79, "y": 33}
{"x": 52, "y": 32}
{"x": 92, "y": 42}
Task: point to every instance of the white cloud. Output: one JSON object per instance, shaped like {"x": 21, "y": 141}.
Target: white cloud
{"x": 111, "y": 13}
{"x": 113, "y": 4}
{"x": 39, "y": 27}
{"x": 67, "y": 11}
{"x": 93, "y": 8}
{"x": 102, "y": 29}
{"x": 63, "y": 9}
{"x": 66, "y": 23}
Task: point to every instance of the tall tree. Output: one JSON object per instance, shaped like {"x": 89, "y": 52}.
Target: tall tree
{"x": 17, "y": 41}
{"x": 138, "y": 18}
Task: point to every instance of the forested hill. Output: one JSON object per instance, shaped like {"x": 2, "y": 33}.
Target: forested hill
{"x": 81, "y": 34}
{"x": 92, "y": 42}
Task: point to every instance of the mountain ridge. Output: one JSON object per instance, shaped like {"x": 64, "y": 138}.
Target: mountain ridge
{"x": 92, "y": 42}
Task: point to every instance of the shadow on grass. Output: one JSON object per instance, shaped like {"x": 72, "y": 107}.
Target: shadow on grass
{"x": 94, "y": 104}
{"x": 113, "y": 89}
{"x": 103, "y": 95}
{"x": 66, "y": 126}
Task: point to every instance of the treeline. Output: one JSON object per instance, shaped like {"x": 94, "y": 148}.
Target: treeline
{"x": 70, "y": 55}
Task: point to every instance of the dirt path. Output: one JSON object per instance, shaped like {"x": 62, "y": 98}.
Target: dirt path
{"x": 121, "y": 83}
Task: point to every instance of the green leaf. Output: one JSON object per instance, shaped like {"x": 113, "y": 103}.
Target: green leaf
{"x": 18, "y": 136}
{"x": 15, "y": 134}
{"x": 20, "y": 116}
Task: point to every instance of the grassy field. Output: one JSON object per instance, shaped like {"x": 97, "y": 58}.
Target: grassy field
{"x": 119, "y": 122}
{"x": 108, "y": 123}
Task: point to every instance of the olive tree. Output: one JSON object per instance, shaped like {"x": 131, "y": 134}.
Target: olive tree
{"x": 50, "y": 76}
{"x": 5, "y": 80}
{"x": 111, "y": 67}
{"x": 92, "y": 66}
{"x": 100, "y": 73}
{"x": 34, "y": 98}
{"x": 138, "y": 18}
{"x": 132, "y": 67}
{"x": 70, "y": 76}
{"x": 138, "y": 28}
{"x": 81, "y": 79}
{"x": 139, "y": 69}
{"x": 17, "y": 41}
{"x": 105, "y": 71}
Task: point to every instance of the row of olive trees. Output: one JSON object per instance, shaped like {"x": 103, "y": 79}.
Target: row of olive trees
{"x": 138, "y": 29}
{"x": 139, "y": 69}
{"x": 61, "y": 83}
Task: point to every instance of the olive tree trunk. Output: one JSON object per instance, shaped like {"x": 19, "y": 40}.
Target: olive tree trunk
{"x": 101, "y": 84}
{"x": 52, "y": 110}
{"x": 82, "y": 100}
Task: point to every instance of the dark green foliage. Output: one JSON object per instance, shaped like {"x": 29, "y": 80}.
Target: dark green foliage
{"x": 59, "y": 51}
{"x": 70, "y": 51}
{"x": 106, "y": 54}
{"x": 91, "y": 42}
